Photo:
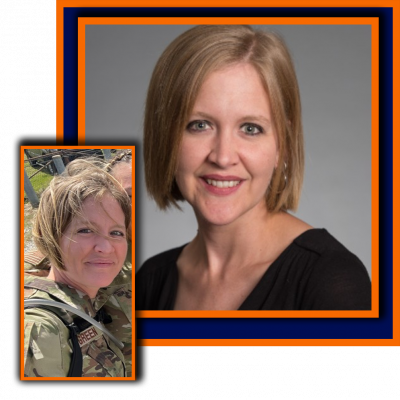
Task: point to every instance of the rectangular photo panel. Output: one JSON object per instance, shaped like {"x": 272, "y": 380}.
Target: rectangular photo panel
{"x": 127, "y": 70}
{"x": 338, "y": 66}
{"x": 77, "y": 254}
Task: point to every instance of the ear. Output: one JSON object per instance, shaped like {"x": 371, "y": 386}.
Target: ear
{"x": 276, "y": 159}
{"x": 277, "y": 156}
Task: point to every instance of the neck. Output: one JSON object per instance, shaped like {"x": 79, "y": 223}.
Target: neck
{"x": 236, "y": 245}
{"x": 58, "y": 276}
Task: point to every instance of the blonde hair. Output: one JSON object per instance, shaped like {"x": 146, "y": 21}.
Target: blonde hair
{"x": 63, "y": 199}
{"x": 175, "y": 84}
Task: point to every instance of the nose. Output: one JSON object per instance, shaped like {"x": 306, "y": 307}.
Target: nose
{"x": 224, "y": 151}
{"x": 103, "y": 245}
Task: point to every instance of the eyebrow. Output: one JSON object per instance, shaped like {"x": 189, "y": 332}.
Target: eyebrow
{"x": 81, "y": 221}
{"x": 118, "y": 226}
{"x": 243, "y": 119}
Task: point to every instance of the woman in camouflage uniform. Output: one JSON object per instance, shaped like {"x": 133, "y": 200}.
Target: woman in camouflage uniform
{"x": 81, "y": 226}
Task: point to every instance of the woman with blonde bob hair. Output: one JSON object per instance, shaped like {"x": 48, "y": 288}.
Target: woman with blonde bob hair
{"x": 223, "y": 131}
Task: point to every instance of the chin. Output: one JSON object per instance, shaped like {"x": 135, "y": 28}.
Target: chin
{"x": 219, "y": 217}
{"x": 225, "y": 214}
{"x": 103, "y": 281}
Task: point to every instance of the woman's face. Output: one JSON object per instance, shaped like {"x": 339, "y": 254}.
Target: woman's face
{"x": 229, "y": 148}
{"x": 93, "y": 257}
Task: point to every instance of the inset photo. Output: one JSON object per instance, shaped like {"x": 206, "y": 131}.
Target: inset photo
{"x": 77, "y": 250}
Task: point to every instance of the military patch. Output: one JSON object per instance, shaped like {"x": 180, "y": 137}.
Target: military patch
{"x": 34, "y": 257}
{"x": 36, "y": 350}
{"x": 88, "y": 335}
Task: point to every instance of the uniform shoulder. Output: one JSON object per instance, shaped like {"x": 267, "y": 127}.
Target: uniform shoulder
{"x": 36, "y": 259}
{"x": 56, "y": 291}
{"x": 46, "y": 348}
{"x": 44, "y": 319}
{"x": 35, "y": 263}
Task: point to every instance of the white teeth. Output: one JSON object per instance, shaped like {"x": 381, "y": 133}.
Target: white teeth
{"x": 222, "y": 184}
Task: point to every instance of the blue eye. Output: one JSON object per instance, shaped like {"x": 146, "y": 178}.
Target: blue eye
{"x": 251, "y": 129}
{"x": 117, "y": 234}
{"x": 198, "y": 126}
{"x": 85, "y": 230}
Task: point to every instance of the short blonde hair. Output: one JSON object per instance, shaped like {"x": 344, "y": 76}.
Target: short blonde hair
{"x": 175, "y": 84}
{"x": 63, "y": 199}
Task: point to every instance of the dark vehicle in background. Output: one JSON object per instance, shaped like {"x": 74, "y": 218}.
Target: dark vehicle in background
{"x": 42, "y": 158}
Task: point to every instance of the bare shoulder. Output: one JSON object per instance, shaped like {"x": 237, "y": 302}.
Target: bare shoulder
{"x": 294, "y": 224}
{"x": 287, "y": 228}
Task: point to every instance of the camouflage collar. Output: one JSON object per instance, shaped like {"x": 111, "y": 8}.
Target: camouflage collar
{"x": 47, "y": 288}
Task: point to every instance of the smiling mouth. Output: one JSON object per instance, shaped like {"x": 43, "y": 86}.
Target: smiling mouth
{"x": 222, "y": 184}
{"x": 100, "y": 263}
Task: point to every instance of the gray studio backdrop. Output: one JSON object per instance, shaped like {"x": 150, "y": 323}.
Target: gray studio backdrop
{"x": 333, "y": 65}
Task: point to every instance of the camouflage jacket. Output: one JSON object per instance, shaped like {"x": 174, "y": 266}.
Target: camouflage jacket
{"x": 47, "y": 346}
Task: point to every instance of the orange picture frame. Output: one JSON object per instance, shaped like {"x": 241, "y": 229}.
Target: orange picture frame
{"x": 374, "y": 23}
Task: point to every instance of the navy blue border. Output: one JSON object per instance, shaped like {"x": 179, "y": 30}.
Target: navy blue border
{"x": 269, "y": 328}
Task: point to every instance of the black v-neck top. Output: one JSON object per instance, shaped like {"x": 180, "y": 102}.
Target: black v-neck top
{"x": 315, "y": 272}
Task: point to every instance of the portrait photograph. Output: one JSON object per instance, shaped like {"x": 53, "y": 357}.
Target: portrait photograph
{"x": 333, "y": 68}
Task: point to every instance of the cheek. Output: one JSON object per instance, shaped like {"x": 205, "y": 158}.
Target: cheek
{"x": 187, "y": 164}
{"x": 76, "y": 248}
{"x": 261, "y": 158}
{"x": 262, "y": 165}
{"x": 185, "y": 158}
{"x": 123, "y": 248}
{"x": 193, "y": 154}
